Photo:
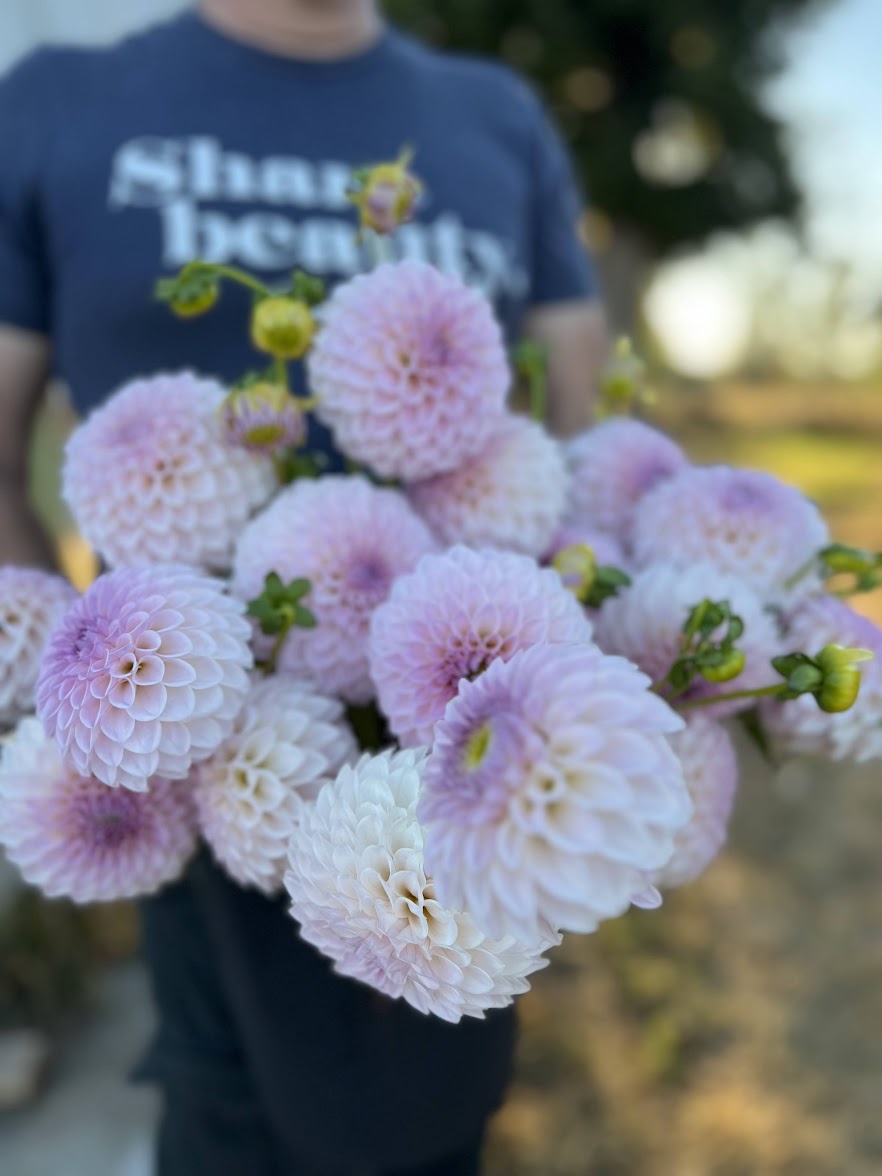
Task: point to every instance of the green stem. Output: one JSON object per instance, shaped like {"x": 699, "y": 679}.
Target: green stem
{"x": 538, "y": 392}
{"x": 800, "y": 573}
{"x": 280, "y": 368}
{"x": 711, "y": 699}
{"x": 268, "y": 665}
{"x": 380, "y": 249}
{"x": 232, "y": 273}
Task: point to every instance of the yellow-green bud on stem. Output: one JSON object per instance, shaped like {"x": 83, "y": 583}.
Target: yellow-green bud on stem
{"x": 577, "y": 567}
{"x": 386, "y": 194}
{"x": 283, "y": 327}
{"x": 842, "y": 679}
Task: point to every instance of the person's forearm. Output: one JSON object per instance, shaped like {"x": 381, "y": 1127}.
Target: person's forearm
{"x": 22, "y": 538}
{"x": 576, "y": 337}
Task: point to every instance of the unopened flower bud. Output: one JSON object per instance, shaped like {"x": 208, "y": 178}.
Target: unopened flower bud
{"x": 189, "y": 294}
{"x": 840, "y": 558}
{"x": 283, "y": 327}
{"x": 842, "y": 678}
{"x": 386, "y": 195}
{"x": 577, "y": 567}
{"x": 623, "y": 379}
{"x": 722, "y": 666}
{"x": 263, "y": 416}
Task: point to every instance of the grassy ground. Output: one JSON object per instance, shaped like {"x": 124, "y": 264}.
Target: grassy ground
{"x": 738, "y": 1030}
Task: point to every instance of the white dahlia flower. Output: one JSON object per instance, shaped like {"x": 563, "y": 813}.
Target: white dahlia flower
{"x": 286, "y": 742}
{"x": 360, "y": 892}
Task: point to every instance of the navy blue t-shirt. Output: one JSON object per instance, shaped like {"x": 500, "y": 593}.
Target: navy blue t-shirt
{"x": 120, "y": 165}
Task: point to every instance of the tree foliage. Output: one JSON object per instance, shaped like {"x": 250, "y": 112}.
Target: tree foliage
{"x": 659, "y": 100}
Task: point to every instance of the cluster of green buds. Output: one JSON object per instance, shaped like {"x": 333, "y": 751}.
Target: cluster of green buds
{"x": 591, "y": 583}
{"x": 279, "y": 609}
{"x": 385, "y": 194}
{"x": 623, "y": 383}
{"x": 832, "y": 676}
{"x": 192, "y": 292}
{"x": 708, "y": 649}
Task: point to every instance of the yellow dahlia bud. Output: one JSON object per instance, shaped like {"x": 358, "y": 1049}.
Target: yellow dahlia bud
{"x": 386, "y": 195}
{"x": 842, "y": 678}
{"x": 722, "y": 666}
{"x": 189, "y": 294}
{"x": 263, "y": 416}
{"x": 577, "y": 567}
{"x": 283, "y": 327}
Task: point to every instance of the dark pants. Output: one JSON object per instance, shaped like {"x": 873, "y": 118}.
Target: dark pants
{"x": 271, "y": 1065}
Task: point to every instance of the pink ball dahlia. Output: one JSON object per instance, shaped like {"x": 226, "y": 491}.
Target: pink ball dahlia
{"x": 351, "y": 540}
{"x": 150, "y": 478}
{"x": 800, "y": 727}
{"x": 744, "y": 522}
{"x": 74, "y": 837}
{"x": 710, "y": 769}
{"x": 410, "y": 370}
{"x": 645, "y": 624}
{"x": 612, "y": 466}
{"x": 450, "y": 619}
{"x": 512, "y": 494}
{"x": 551, "y": 792}
{"x": 144, "y": 675}
{"x": 286, "y": 742}
{"x": 360, "y": 892}
{"x": 31, "y": 602}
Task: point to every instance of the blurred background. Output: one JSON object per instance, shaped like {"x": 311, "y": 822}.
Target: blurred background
{"x": 731, "y": 158}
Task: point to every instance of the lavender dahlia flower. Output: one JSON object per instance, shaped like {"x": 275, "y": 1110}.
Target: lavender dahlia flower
{"x": 150, "y": 478}
{"x": 30, "y": 604}
{"x": 744, "y": 522}
{"x": 551, "y": 793}
{"x": 286, "y": 742}
{"x": 74, "y": 837}
{"x": 644, "y": 623}
{"x": 511, "y": 495}
{"x": 144, "y": 675}
{"x": 800, "y": 727}
{"x": 361, "y": 894}
{"x": 710, "y": 769}
{"x": 450, "y": 618}
{"x": 410, "y": 370}
{"x": 351, "y": 540}
{"x": 612, "y": 466}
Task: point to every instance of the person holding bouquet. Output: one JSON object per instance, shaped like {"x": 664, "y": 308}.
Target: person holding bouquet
{"x": 229, "y": 135}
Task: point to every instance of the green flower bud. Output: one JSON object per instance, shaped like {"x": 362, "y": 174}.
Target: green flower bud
{"x": 190, "y": 294}
{"x": 577, "y": 567}
{"x": 722, "y": 665}
{"x": 841, "y": 677}
{"x": 283, "y": 327}
{"x": 386, "y": 194}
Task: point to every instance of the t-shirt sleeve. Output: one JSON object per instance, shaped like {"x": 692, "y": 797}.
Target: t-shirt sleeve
{"x": 24, "y": 285}
{"x": 561, "y": 266}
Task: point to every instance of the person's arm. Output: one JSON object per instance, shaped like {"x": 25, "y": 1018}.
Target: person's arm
{"x": 24, "y": 368}
{"x": 577, "y": 341}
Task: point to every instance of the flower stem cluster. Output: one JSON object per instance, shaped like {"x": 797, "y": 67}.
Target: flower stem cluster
{"x": 591, "y": 583}
{"x": 703, "y": 653}
{"x": 278, "y": 610}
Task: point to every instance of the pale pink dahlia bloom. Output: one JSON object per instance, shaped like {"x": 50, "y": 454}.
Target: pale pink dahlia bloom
{"x": 410, "y": 370}
{"x": 31, "y": 602}
{"x": 360, "y": 892}
{"x": 351, "y": 540}
{"x": 551, "y": 794}
{"x": 454, "y": 615}
{"x": 286, "y": 742}
{"x": 73, "y": 837}
{"x": 710, "y": 769}
{"x": 800, "y": 727}
{"x": 144, "y": 675}
{"x": 745, "y": 522}
{"x": 150, "y": 478}
{"x": 512, "y": 494}
{"x": 612, "y": 466}
{"x": 644, "y": 623}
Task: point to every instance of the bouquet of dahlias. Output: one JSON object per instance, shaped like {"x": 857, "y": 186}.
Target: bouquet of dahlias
{"x": 469, "y": 695}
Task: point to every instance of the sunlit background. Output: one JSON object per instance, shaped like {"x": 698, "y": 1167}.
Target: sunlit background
{"x": 732, "y": 155}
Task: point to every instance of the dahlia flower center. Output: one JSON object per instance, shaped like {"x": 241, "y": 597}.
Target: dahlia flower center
{"x": 368, "y": 578}
{"x": 476, "y": 746}
{"x": 107, "y": 817}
